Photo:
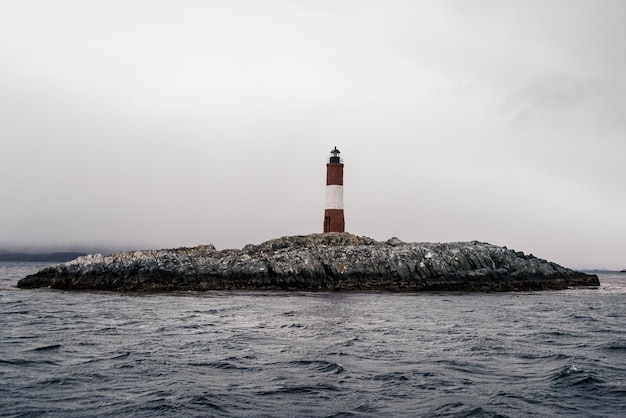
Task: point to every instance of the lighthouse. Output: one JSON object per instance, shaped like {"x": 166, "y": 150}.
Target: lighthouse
{"x": 333, "y": 214}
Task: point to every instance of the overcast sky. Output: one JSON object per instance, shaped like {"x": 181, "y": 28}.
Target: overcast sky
{"x": 159, "y": 124}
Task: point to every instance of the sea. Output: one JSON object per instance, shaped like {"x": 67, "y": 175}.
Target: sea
{"x": 308, "y": 354}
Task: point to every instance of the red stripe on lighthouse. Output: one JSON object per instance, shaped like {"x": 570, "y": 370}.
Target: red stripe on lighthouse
{"x": 333, "y": 213}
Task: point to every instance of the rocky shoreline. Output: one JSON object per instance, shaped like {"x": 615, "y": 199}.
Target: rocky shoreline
{"x": 317, "y": 262}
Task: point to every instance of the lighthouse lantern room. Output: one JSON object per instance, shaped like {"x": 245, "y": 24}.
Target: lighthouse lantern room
{"x": 333, "y": 213}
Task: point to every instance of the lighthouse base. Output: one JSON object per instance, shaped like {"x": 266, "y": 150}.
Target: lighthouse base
{"x": 334, "y": 221}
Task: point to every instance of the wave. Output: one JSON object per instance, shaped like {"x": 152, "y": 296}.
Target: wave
{"x": 571, "y": 376}
{"x": 48, "y": 347}
{"x": 300, "y": 389}
{"x": 318, "y": 366}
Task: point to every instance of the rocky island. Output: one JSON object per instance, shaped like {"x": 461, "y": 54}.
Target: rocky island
{"x": 317, "y": 262}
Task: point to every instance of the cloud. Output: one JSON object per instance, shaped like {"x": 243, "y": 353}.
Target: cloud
{"x": 547, "y": 97}
{"x": 154, "y": 124}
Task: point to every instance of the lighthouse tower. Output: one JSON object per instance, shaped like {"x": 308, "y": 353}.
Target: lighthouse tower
{"x": 333, "y": 214}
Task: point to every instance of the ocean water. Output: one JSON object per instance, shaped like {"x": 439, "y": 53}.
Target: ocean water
{"x": 279, "y": 354}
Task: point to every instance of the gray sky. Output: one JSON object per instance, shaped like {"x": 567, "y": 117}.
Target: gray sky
{"x": 150, "y": 124}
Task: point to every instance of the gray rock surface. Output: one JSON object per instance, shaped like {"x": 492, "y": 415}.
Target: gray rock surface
{"x": 317, "y": 262}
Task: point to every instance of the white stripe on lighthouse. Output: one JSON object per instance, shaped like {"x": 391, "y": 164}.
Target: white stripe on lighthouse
{"x": 334, "y": 196}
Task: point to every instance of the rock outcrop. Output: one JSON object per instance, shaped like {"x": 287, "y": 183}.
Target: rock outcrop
{"x": 318, "y": 262}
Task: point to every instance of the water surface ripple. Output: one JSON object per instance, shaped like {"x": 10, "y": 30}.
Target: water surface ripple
{"x": 222, "y": 354}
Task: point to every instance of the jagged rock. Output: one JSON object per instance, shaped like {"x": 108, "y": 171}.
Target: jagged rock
{"x": 317, "y": 262}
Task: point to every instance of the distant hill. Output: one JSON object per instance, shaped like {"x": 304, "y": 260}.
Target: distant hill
{"x": 60, "y": 257}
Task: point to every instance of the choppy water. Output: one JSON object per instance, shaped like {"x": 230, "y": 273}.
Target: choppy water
{"x": 81, "y": 354}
